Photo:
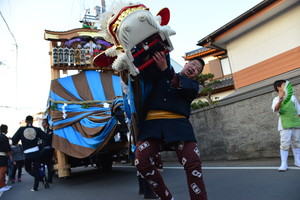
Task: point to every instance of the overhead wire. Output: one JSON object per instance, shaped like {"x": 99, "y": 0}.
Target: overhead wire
{"x": 16, "y": 44}
{"x": 9, "y": 29}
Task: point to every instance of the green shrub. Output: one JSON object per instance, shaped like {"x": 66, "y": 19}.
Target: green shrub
{"x": 199, "y": 104}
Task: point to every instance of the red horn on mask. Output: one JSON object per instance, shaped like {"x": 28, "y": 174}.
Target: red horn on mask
{"x": 165, "y": 16}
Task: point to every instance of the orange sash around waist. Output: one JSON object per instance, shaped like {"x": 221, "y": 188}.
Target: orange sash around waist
{"x": 162, "y": 114}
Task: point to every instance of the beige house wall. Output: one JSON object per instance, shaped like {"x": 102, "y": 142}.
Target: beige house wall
{"x": 279, "y": 35}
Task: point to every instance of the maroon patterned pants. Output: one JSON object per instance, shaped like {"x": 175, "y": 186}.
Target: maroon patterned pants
{"x": 188, "y": 155}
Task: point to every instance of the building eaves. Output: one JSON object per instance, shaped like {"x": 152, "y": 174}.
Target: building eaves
{"x": 199, "y": 53}
{"x": 209, "y": 38}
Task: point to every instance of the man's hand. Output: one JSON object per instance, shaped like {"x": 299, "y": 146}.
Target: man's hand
{"x": 280, "y": 99}
{"x": 160, "y": 60}
{"x": 281, "y": 95}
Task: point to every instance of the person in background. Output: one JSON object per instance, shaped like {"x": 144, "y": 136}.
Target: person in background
{"x": 29, "y": 136}
{"x": 288, "y": 109}
{"x": 5, "y": 151}
{"x": 10, "y": 166}
{"x": 47, "y": 150}
{"x": 18, "y": 155}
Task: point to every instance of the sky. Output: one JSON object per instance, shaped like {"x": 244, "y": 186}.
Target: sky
{"x": 24, "y": 54}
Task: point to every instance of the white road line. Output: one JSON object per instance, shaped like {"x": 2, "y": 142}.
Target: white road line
{"x": 273, "y": 168}
{"x": 297, "y": 168}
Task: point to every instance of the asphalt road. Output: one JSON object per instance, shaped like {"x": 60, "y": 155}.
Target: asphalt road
{"x": 237, "y": 182}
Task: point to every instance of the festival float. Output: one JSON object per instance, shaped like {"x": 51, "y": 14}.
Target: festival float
{"x": 88, "y": 110}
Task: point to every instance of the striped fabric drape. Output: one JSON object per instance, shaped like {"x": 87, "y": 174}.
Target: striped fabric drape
{"x": 80, "y": 113}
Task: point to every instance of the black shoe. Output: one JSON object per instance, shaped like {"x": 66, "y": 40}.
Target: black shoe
{"x": 148, "y": 192}
{"x": 141, "y": 185}
{"x": 45, "y": 181}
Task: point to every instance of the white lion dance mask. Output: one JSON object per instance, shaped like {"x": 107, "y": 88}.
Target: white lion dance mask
{"x": 133, "y": 30}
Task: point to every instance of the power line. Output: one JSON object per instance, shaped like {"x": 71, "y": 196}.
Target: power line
{"x": 16, "y": 44}
{"x": 9, "y": 30}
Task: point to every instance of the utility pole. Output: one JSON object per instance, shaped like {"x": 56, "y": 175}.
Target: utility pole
{"x": 103, "y": 6}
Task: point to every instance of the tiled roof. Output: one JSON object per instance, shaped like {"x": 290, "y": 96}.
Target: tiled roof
{"x": 197, "y": 51}
{"x": 222, "y": 85}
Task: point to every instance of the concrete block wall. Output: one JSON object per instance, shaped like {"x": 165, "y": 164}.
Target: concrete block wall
{"x": 244, "y": 129}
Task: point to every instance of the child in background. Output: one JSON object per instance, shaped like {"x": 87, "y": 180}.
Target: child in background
{"x": 18, "y": 154}
{"x": 288, "y": 109}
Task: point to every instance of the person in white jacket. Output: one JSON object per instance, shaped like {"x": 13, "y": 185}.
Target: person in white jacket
{"x": 288, "y": 110}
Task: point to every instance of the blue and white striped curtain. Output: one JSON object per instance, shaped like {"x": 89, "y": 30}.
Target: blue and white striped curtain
{"x": 80, "y": 111}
